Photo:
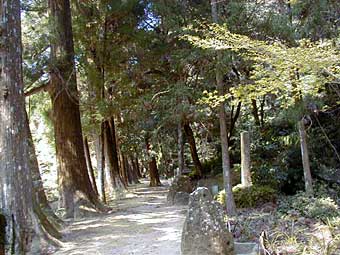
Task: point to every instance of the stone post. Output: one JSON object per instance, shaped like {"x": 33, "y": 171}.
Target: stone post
{"x": 245, "y": 159}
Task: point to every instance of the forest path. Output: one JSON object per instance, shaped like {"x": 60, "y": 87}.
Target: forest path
{"x": 142, "y": 224}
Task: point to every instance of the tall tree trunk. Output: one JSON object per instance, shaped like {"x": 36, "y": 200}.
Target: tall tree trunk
{"x": 89, "y": 165}
{"x": 112, "y": 168}
{"x": 123, "y": 169}
{"x": 132, "y": 175}
{"x": 305, "y": 158}
{"x": 193, "y": 149}
{"x": 154, "y": 175}
{"x": 19, "y": 224}
{"x": 114, "y": 145}
{"x": 127, "y": 170}
{"x": 230, "y": 203}
{"x": 73, "y": 175}
{"x": 180, "y": 148}
{"x": 134, "y": 170}
{"x": 137, "y": 167}
{"x": 152, "y": 165}
{"x": 100, "y": 156}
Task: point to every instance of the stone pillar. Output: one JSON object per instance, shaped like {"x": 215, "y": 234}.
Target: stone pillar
{"x": 245, "y": 159}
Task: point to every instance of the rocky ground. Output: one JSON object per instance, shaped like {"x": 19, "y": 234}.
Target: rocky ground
{"x": 142, "y": 223}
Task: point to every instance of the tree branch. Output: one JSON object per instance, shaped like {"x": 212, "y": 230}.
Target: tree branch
{"x": 36, "y": 90}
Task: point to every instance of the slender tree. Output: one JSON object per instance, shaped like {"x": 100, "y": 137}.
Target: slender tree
{"x": 305, "y": 158}
{"x": 230, "y": 203}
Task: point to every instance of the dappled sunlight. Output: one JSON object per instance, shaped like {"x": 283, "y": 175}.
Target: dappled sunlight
{"x": 143, "y": 222}
{"x": 87, "y": 227}
{"x": 84, "y": 222}
{"x": 149, "y": 218}
{"x": 169, "y": 234}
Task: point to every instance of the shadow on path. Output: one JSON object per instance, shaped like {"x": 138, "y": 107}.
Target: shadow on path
{"x": 143, "y": 224}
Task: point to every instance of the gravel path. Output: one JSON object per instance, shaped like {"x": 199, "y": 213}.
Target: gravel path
{"x": 142, "y": 224}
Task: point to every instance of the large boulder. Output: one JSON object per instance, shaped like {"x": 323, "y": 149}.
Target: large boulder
{"x": 204, "y": 231}
{"x": 179, "y": 191}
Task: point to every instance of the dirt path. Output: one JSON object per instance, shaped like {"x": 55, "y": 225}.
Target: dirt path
{"x": 143, "y": 224}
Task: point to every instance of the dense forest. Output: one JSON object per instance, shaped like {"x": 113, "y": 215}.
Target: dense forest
{"x": 109, "y": 106}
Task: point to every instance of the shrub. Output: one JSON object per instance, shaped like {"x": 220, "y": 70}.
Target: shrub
{"x": 321, "y": 208}
{"x": 266, "y": 175}
{"x": 249, "y": 196}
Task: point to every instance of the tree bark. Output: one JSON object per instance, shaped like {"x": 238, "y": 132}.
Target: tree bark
{"x": 124, "y": 169}
{"x": 245, "y": 159}
{"x": 154, "y": 175}
{"x": 152, "y": 165}
{"x": 233, "y": 120}
{"x": 137, "y": 167}
{"x": 113, "y": 178}
{"x": 19, "y": 228}
{"x": 180, "y": 149}
{"x": 100, "y": 156}
{"x": 305, "y": 158}
{"x": 89, "y": 165}
{"x": 134, "y": 170}
{"x": 193, "y": 149}
{"x": 114, "y": 145}
{"x": 263, "y": 101}
{"x": 131, "y": 173}
{"x": 230, "y": 203}
{"x": 127, "y": 170}
{"x": 134, "y": 167}
{"x": 255, "y": 112}
{"x": 72, "y": 170}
